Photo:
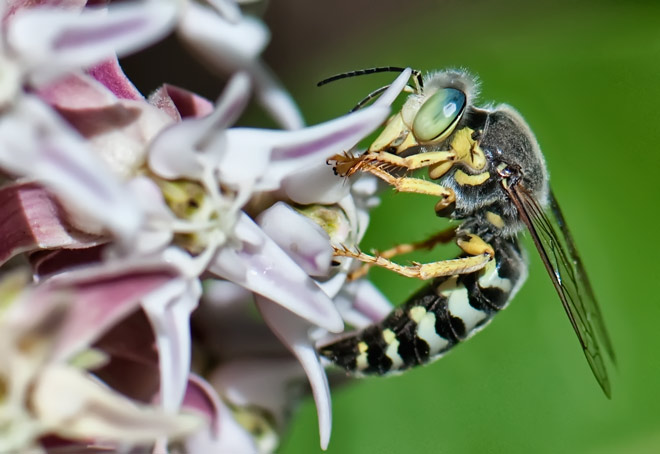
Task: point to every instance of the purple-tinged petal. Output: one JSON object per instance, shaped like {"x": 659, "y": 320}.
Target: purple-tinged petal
{"x": 110, "y": 74}
{"x": 133, "y": 367}
{"x": 234, "y": 46}
{"x": 303, "y": 239}
{"x": 11, "y": 6}
{"x": 35, "y": 143}
{"x": 179, "y": 103}
{"x": 76, "y": 91}
{"x": 190, "y": 148}
{"x": 52, "y": 42}
{"x": 49, "y": 262}
{"x": 294, "y": 332}
{"x": 100, "y": 297}
{"x": 292, "y": 151}
{"x": 33, "y": 220}
{"x": 267, "y": 270}
{"x": 224, "y": 434}
{"x": 265, "y": 383}
{"x": 169, "y": 310}
{"x": 72, "y": 404}
{"x": 361, "y": 304}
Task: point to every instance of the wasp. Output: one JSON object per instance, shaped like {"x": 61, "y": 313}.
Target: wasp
{"x": 486, "y": 169}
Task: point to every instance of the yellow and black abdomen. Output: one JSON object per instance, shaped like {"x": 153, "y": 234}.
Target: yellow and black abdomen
{"x": 435, "y": 319}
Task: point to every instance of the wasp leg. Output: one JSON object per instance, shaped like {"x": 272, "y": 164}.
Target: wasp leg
{"x": 347, "y": 164}
{"x": 443, "y": 237}
{"x": 422, "y": 271}
{"x": 480, "y": 253}
{"x": 416, "y": 185}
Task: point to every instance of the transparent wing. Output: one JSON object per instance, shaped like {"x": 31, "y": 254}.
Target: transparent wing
{"x": 560, "y": 257}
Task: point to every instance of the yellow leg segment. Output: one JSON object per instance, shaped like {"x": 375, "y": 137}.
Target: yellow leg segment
{"x": 347, "y": 165}
{"x": 443, "y": 237}
{"x": 422, "y": 271}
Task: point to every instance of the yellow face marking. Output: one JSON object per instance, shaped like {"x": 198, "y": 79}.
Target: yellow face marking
{"x": 464, "y": 179}
{"x": 361, "y": 360}
{"x": 468, "y": 150}
{"x": 417, "y": 313}
{"x": 495, "y": 219}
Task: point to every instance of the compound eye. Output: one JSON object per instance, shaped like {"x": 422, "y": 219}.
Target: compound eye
{"x": 438, "y": 116}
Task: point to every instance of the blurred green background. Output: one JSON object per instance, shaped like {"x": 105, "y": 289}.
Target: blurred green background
{"x": 586, "y": 76}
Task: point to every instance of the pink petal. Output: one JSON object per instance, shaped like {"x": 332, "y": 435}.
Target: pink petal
{"x": 133, "y": 367}
{"x": 33, "y": 220}
{"x": 294, "y": 332}
{"x": 48, "y": 262}
{"x": 179, "y": 103}
{"x": 224, "y": 434}
{"x": 266, "y": 269}
{"x": 300, "y": 237}
{"x": 36, "y": 143}
{"x": 100, "y": 297}
{"x": 76, "y": 91}
{"x": 53, "y": 41}
{"x": 169, "y": 310}
{"x": 110, "y": 74}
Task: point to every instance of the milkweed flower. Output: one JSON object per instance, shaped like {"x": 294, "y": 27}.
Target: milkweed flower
{"x": 134, "y": 214}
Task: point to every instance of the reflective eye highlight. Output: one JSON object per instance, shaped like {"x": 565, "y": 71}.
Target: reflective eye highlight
{"x": 437, "y": 117}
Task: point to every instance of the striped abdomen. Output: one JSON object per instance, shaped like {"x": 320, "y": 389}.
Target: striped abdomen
{"x": 435, "y": 319}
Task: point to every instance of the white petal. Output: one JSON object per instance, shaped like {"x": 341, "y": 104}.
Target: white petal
{"x": 268, "y": 270}
{"x": 168, "y": 310}
{"x": 229, "y": 46}
{"x": 258, "y": 382}
{"x": 303, "y": 239}
{"x": 294, "y": 332}
{"x": 53, "y": 41}
{"x": 220, "y": 41}
{"x": 389, "y": 95}
{"x": 35, "y": 143}
{"x": 315, "y": 184}
{"x": 274, "y": 98}
{"x": 362, "y": 304}
{"x": 71, "y": 404}
{"x": 191, "y": 147}
{"x": 246, "y": 161}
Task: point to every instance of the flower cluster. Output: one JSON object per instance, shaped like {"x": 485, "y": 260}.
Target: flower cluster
{"x": 138, "y": 218}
